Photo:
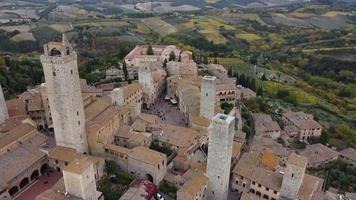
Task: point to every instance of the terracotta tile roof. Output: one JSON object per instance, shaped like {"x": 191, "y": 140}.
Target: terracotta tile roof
{"x": 349, "y": 153}
{"x": 16, "y": 107}
{"x": 132, "y": 89}
{"x": 310, "y": 185}
{"x": 264, "y": 122}
{"x": 21, "y": 158}
{"x": 269, "y": 160}
{"x": 297, "y": 160}
{"x": 118, "y": 149}
{"x": 267, "y": 178}
{"x": 247, "y": 163}
{"x": 195, "y": 184}
{"x": 78, "y": 166}
{"x": 318, "y": 154}
{"x": 18, "y": 132}
{"x": 302, "y": 120}
{"x": 149, "y": 118}
{"x": 178, "y": 136}
{"x": 63, "y": 154}
{"x": 147, "y": 155}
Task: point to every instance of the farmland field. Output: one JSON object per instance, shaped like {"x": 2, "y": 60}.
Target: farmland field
{"x": 23, "y": 37}
{"x": 159, "y": 26}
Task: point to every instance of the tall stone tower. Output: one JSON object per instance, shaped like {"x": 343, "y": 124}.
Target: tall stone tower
{"x": 145, "y": 78}
{"x": 221, "y": 133}
{"x": 4, "y": 114}
{"x": 208, "y": 97}
{"x": 64, "y": 94}
{"x": 293, "y": 177}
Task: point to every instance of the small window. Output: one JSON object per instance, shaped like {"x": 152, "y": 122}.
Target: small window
{"x": 206, "y": 94}
{"x": 78, "y": 122}
{"x": 71, "y": 71}
{"x": 54, "y": 73}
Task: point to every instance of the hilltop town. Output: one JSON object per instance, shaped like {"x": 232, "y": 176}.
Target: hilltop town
{"x": 177, "y": 100}
{"x": 176, "y": 132}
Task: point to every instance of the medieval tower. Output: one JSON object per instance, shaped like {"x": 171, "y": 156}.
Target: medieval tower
{"x": 64, "y": 94}
{"x": 221, "y": 133}
{"x": 293, "y": 177}
{"x": 208, "y": 97}
{"x": 4, "y": 114}
{"x": 145, "y": 78}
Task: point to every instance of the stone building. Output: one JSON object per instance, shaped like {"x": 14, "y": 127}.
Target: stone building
{"x": 152, "y": 79}
{"x": 253, "y": 177}
{"x": 305, "y": 124}
{"x": 293, "y": 177}
{"x": 103, "y": 120}
{"x": 129, "y": 96}
{"x": 21, "y": 160}
{"x": 64, "y": 93}
{"x": 264, "y": 126}
{"x": 182, "y": 68}
{"x": 139, "y": 55}
{"x": 4, "y": 114}
{"x": 195, "y": 187}
{"x": 221, "y": 133}
{"x": 79, "y": 179}
{"x": 348, "y": 155}
{"x": 318, "y": 154}
{"x": 208, "y": 97}
{"x": 139, "y": 161}
{"x": 79, "y": 182}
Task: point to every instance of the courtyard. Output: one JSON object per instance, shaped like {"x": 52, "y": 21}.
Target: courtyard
{"x": 44, "y": 183}
{"x": 168, "y": 113}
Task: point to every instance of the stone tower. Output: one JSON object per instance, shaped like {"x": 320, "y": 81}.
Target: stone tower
{"x": 79, "y": 179}
{"x": 293, "y": 177}
{"x": 117, "y": 97}
{"x": 64, "y": 94}
{"x": 145, "y": 78}
{"x": 221, "y": 133}
{"x": 208, "y": 97}
{"x": 4, "y": 114}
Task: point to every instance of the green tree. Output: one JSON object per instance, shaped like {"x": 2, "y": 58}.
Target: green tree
{"x": 172, "y": 56}
{"x": 150, "y": 50}
{"x": 165, "y": 63}
{"x": 124, "y": 69}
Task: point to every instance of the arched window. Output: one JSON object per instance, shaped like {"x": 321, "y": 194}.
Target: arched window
{"x": 55, "y": 52}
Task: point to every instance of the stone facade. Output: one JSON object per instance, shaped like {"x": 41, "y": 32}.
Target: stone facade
{"x": 139, "y": 161}
{"x": 221, "y": 135}
{"x": 293, "y": 177}
{"x": 79, "y": 179}
{"x": 208, "y": 97}
{"x": 130, "y": 97}
{"x": 64, "y": 93}
{"x": 4, "y": 115}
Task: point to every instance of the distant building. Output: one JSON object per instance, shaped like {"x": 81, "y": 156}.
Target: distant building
{"x": 305, "y": 123}
{"x": 182, "y": 68}
{"x": 348, "y": 155}
{"x": 245, "y": 93}
{"x": 318, "y": 154}
{"x": 265, "y": 126}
